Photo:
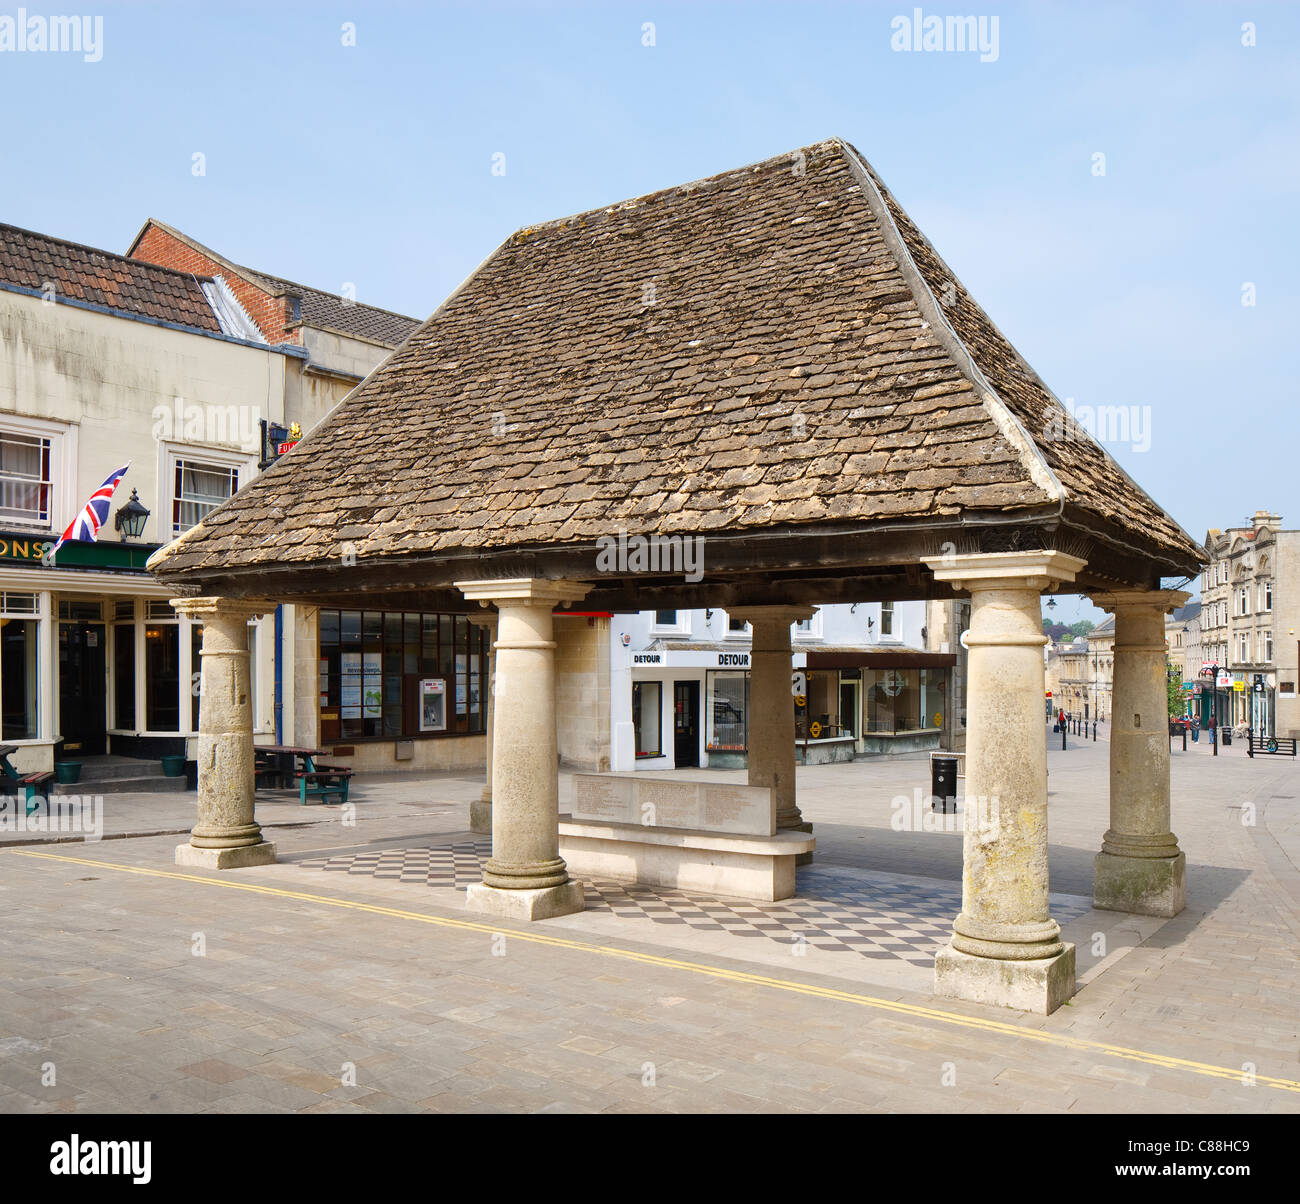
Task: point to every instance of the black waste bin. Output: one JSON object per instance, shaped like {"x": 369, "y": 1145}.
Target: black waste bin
{"x": 943, "y": 783}
{"x": 1226, "y": 733}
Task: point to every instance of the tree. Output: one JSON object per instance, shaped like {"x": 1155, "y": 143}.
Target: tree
{"x": 1082, "y": 627}
{"x": 1174, "y": 688}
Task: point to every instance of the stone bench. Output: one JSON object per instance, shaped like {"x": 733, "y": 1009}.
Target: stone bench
{"x": 745, "y": 867}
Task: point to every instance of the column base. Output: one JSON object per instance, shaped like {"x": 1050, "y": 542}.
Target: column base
{"x": 1041, "y": 985}
{"x": 798, "y": 824}
{"x": 537, "y": 904}
{"x": 480, "y": 816}
{"x": 226, "y": 859}
{"x": 1143, "y": 886}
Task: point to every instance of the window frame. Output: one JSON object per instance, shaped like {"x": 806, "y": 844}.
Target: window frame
{"x": 63, "y": 502}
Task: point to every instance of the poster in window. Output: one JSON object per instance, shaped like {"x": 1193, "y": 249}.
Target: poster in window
{"x": 373, "y": 689}
{"x": 350, "y": 684}
{"x": 433, "y": 705}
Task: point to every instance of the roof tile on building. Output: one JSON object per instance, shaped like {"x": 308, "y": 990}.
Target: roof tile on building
{"x": 79, "y": 273}
{"x": 772, "y": 347}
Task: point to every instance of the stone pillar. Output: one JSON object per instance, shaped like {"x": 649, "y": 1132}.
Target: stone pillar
{"x": 226, "y": 835}
{"x": 1006, "y": 949}
{"x": 480, "y": 810}
{"x": 1140, "y": 868}
{"x": 525, "y": 878}
{"x": 771, "y": 710}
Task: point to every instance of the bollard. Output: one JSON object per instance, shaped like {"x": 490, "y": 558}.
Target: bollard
{"x": 1063, "y": 736}
{"x": 1094, "y": 731}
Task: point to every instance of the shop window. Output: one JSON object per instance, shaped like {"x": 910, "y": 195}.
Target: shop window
{"x": 162, "y": 678}
{"x": 26, "y": 478}
{"x": 198, "y": 489}
{"x": 19, "y": 604}
{"x": 124, "y": 676}
{"x": 647, "y": 717}
{"x": 728, "y": 712}
{"x": 18, "y": 683}
{"x": 124, "y": 609}
{"x": 821, "y": 705}
{"x": 82, "y": 612}
{"x": 386, "y": 674}
{"x": 893, "y": 700}
{"x": 160, "y": 610}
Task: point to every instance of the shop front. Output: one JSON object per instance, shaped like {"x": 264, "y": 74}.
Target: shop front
{"x": 889, "y": 702}
{"x": 93, "y": 660}
{"x": 396, "y": 689}
{"x": 690, "y": 707}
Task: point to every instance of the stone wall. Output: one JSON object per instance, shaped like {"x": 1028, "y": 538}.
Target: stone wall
{"x": 582, "y": 691}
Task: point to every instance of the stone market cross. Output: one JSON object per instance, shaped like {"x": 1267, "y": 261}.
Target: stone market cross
{"x": 773, "y": 361}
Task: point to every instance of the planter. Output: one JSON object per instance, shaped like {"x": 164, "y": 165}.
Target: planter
{"x": 174, "y": 766}
{"x": 67, "y": 771}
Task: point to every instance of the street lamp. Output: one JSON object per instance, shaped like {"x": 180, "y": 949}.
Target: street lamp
{"x": 131, "y": 518}
{"x": 1213, "y": 671}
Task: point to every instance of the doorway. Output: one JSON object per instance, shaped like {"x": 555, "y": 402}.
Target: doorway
{"x": 83, "y": 683}
{"x": 686, "y": 724}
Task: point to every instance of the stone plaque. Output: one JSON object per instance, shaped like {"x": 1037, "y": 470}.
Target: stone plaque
{"x": 657, "y": 802}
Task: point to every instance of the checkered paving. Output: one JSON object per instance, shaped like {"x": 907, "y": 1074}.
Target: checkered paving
{"x": 838, "y": 910}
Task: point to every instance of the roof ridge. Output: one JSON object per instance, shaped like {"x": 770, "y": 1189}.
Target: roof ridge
{"x": 253, "y": 275}
{"x": 311, "y": 288}
{"x": 1010, "y": 426}
{"x": 552, "y": 223}
{"x": 117, "y": 255}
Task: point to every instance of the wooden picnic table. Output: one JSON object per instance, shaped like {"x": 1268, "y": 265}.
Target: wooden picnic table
{"x": 277, "y": 764}
{"x": 34, "y": 785}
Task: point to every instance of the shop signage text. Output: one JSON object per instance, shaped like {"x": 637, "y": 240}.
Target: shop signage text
{"x": 17, "y": 547}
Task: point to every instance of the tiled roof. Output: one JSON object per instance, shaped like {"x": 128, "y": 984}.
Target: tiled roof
{"x": 334, "y": 313}
{"x": 772, "y": 347}
{"x": 78, "y": 273}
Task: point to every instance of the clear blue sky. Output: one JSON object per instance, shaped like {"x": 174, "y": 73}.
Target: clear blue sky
{"x": 371, "y": 164}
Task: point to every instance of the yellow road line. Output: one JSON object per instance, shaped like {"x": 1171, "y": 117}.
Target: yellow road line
{"x": 916, "y": 1011}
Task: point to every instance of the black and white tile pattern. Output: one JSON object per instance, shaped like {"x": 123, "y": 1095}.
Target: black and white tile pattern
{"x": 875, "y": 916}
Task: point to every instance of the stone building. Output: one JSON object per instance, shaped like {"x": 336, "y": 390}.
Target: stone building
{"x": 1250, "y": 594}
{"x": 775, "y": 364}
{"x": 873, "y": 679}
{"x": 107, "y": 359}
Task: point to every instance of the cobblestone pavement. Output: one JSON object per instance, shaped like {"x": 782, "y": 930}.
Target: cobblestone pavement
{"x": 127, "y": 984}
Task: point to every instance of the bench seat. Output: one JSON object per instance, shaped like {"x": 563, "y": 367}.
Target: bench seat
{"x": 323, "y": 781}
{"x": 744, "y": 867}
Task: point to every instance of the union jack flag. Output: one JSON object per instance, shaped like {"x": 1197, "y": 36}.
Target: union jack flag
{"x": 85, "y": 527}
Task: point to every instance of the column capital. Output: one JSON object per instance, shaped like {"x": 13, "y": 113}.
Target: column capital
{"x": 1036, "y": 569}
{"x": 539, "y": 591}
{"x": 1163, "y": 600}
{"x": 788, "y": 613}
{"x": 222, "y": 608}
{"x": 484, "y": 618}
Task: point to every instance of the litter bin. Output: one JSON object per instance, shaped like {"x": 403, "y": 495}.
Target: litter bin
{"x": 943, "y": 783}
{"x": 1226, "y": 733}
{"x": 67, "y": 772}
